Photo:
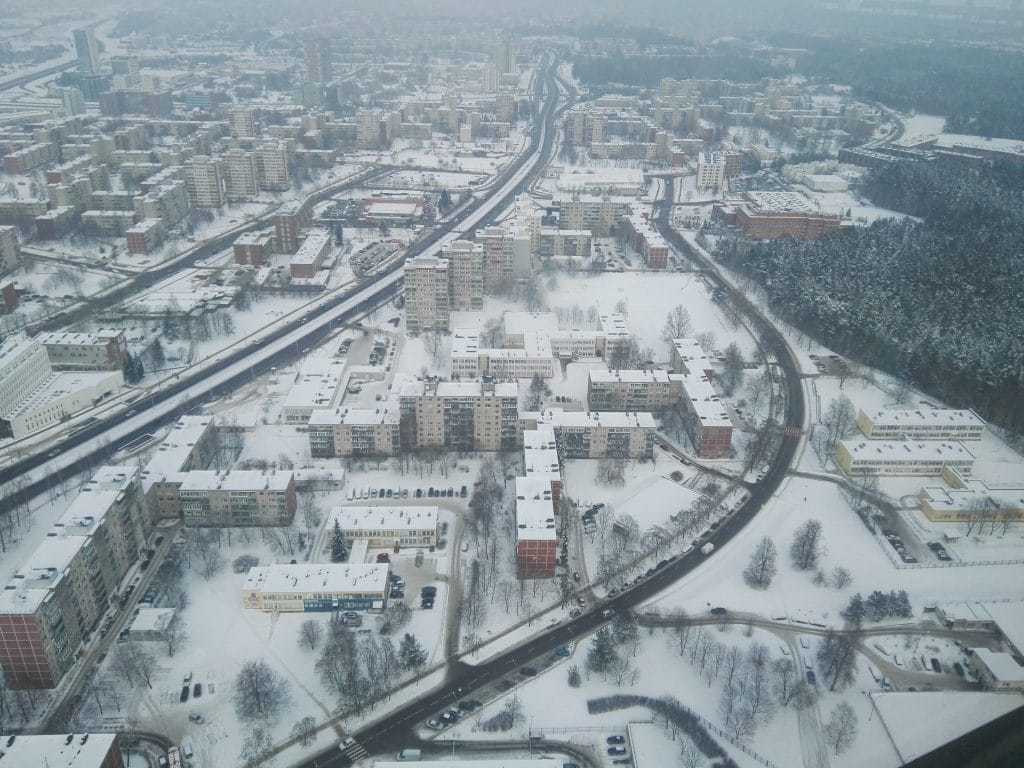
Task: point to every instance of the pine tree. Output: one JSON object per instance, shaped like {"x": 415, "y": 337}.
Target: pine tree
{"x": 574, "y": 677}
{"x": 156, "y": 353}
{"x": 855, "y": 611}
{"x": 411, "y": 653}
{"x": 339, "y": 549}
{"x": 602, "y": 653}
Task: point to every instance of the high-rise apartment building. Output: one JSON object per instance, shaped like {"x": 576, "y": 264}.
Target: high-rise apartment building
{"x": 10, "y": 250}
{"x": 241, "y": 175}
{"x": 72, "y": 102}
{"x": 459, "y": 416}
{"x": 272, "y": 161}
{"x": 204, "y": 178}
{"x": 87, "y": 51}
{"x": 318, "y": 60}
{"x": 58, "y": 597}
{"x": 465, "y": 274}
{"x": 427, "y": 304}
{"x": 242, "y": 121}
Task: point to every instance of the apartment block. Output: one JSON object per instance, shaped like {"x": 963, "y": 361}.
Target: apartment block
{"x": 427, "y": 295}
{"x": 24, "y": 366}
{"x": 921, "y": 424}
{"x": 168, "y": 201}
{"x": 601, "y": 434}
{"x": 242, "y": 121}
{"x": 645, "y": 240}
{"x": 387, "y": 527}
{"x": 145, "y": 237}
{"x": 354, "y": 432}
{"x": 465, "y": 274}
{"x": 57, "y": 598}
{"x": 711, "y": 172}
{"x": 103, "y": 350}
{"x": 598, "y": 215}
{"x": 689, "y": 357}
{"x": 459, "y": 416}
{"x": 237, "y": 498}
{"x": 272, "y": 161}
{"x": 632, "y": 390}
{"x": 708, "y": 422}
{"x": 536, "y": 530}
{"x": 58, "y": 750}
{"x": 288, "y": 223}
{"x": 903, "y": 457}
{"x": 316, "y": 587}
{"x": 192, "y": 443}
{"x": 205, "y": 181}
{"x": 309, "y": 258}
{"x": 10, "y": 250}
{"x": 240, "y": 175}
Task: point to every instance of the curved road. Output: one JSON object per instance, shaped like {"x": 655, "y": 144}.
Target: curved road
{"x": 398, "y": 729}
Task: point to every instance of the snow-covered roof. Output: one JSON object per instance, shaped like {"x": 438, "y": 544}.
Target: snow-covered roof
{"x": 240, "y": 480}
{"x": 172, "y": 454}
{"x": 922, "y": 417}
{"x": 303, "y": 578}
{"x": 535, "y": 512}
{"x": 152, "y": 620}
{"x": 1002, "y": 666}
{"x": 608, "y": 419}
{"x": 906, "y": 450}
{"x": 542, "y": 463}
{"x": 543, "y": 436}
{"x": 58, "y": 750}
{"x": 703, "y": 399}
{"x": 384, "y": 518}
{"x": 629, "y": 376}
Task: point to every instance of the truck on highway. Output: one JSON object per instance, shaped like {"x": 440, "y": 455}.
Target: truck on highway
{"x": 708, "y": 548}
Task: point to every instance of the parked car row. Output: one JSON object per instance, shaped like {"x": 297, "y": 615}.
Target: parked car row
{"x": 897, "y": 544}
{"x": 362, "y": 494}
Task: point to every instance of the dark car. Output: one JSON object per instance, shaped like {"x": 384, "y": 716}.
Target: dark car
{"x": 718, "y": 611}
{"x": 527, "y": 671}
{"x": 427, "y": 603}
{"x": 506, "y": 685}
{"x": 383, "y": 557}
{"x": 184, "y": 694}
{"x": 428, "y": 591}
{"x": 451, "y": 492}
{"x": 811, "y": 677}
{"x": 935, "y": 665}
{"x": 563, "y": 652}
{"x": 158, "y": 540}
{"x": 197, "y": 690}
{"x": 616, "y": 751}
{"x": 616, "y": 740}
{"x": 464, "y": 492}
{"x": 419, "y": 493}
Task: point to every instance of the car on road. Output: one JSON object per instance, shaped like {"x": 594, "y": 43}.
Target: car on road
{"x": 607, "y": 613}
{"x": 615, "y": 740}
{"x": 563, "y": 652}
{"x": 616, "y": 751}
{"x": 196, "y": 718}
{"x": 580, "y": 601}
{"x": 435, "y": 725}
{"x": 527, "y": 671}
{"x": 718, "y": 611}
{"x": 936, "y": 666}
{"x": 575, "y": 613}
{"x": 184, "y": 694}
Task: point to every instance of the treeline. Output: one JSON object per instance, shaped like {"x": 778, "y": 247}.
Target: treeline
{"x": 940, "y": 301}
{"x": 648, "y": 70}
{"x": 980, "y": 90}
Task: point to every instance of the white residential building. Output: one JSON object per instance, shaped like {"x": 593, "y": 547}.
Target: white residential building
{"x": 272, "y": 161}
{"x": 427, "y": 298}
{"x": 241, "y": 175}
{"x": 465, "y": 274}
{"x": 711, "y": 172}
{"x": 471, "y": 361}
{"x": 205, "y": 181}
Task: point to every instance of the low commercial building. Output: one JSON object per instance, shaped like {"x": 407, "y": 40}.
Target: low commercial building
{"x": 893, "y": 457}
{"x": 57, "y": 598}
{"x": 603, "y": 434}
{"x": 317, "y": 388}
{"x": 470, "y": 360}
{"x": 921, "y": 424}
{"x": 316, "y": 587}
{"x": 964, "y": 500}
{"x": 998, "y": 670}
{"x": 355, "y": 432}
{"x": 536, "y": 531}
{"x": 237, "y": 498}
{"x": 58, "y": 397}
{"x": 150, "y": 624}
{"x": 633, "y": 390}
{"x": 103, "y": 350}
{"x": 59, "y": 750}
{"x": 387, "y": 527}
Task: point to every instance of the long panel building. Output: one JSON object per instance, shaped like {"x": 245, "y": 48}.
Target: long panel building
{"x": 308, "y": 587}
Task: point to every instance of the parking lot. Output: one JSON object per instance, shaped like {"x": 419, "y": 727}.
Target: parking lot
{"x": 910, "y": 545}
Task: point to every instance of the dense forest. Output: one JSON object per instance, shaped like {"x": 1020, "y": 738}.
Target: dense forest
{"x": 940, "y": 300}
{"x": 980, "y": 90}
{"x": 648, "y": 70}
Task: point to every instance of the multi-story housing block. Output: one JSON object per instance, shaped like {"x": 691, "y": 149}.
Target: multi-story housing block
{"x": 103, "y": 350}
{"x": 459, "y": 416}
{"x": 241, "y": 175}
{"x": 57, "y": 598}
{"x": 272, "y": 160}
{"x": 355, "y": 432}
{"x": 633, "y": 390}
{"x": 205, "y": 180}
{"x": 465, "y": 274}
{"x": 10, "y": 250}
{"x": 427, "y": 295}
{"x": 603, "y": 434}
{"x": 237, "y": 498}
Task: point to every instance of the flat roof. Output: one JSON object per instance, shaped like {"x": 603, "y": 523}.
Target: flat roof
{"x": 906, "y": 450}
{"x": 302, "y": 578}
{"x": 385, "y": 517}
{"x": 609, "y": 419}
{"x": 496, "y": 762}
{"x": 236, "y": 480}
{"x": 535, "y": 513}
{"x": 924, "y": 417}
{"x": 171, "y": 455}
{"x": 312, "y": 248}
{"x": 317, "y": 386}
{"x": 690, "y": 351}
{"x": 704, "y": 400}
{"x": 541, "y": 437}
{"x": 94, "y": 338}
{"x": 56, "y": 750}
{"x": 63, "y": 384}
{"x": 152, "y": 619}
{"x": 629, "y": 376}
{"x": 780, "y": 202}
{"x": 1003, "y": 666}
{"x": 542, "y": 463}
